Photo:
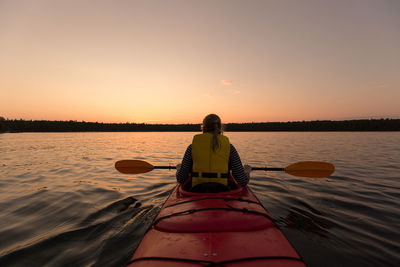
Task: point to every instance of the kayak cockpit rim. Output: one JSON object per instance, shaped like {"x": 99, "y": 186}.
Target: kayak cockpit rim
{"x": 181, "y": 189}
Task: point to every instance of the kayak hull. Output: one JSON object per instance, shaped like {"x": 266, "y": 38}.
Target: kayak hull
{"x": 214, "y": 229}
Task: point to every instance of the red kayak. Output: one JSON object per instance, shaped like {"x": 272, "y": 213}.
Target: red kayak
{"x": 214, "y": 229}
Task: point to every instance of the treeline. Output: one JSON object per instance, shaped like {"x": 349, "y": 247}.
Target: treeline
{"x": 3, "y": 126}
{"x": 75, "y": 126}
{"x": 316, "y": 126}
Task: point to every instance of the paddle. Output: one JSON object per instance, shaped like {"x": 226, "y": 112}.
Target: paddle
{"x": 311, "y": 169}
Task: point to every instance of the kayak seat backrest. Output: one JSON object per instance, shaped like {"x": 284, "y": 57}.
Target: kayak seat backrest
{"x": 220, "y": 219}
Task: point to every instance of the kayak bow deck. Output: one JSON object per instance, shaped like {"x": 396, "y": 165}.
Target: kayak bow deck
{"x": 214, "y": 229}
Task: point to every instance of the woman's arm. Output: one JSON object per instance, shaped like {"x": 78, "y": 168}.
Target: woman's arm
{"x": 236, "y": 166}
{"x": 182, "y": 173}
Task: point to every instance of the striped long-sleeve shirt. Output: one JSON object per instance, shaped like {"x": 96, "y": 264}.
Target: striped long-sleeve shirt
{"x": 235, "y": 165}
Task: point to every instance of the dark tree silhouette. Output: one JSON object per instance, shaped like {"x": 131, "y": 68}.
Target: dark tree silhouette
{"x": 3, "y": 127}
{"x": 75, "y": 126}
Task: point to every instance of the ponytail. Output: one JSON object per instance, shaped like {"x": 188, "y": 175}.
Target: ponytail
{"x": 212, "y": 124}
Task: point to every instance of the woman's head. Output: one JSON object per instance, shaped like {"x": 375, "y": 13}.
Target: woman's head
{"x": 212, "y": 124}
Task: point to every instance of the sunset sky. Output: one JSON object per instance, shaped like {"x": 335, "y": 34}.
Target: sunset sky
{"x": 176, "y": 61}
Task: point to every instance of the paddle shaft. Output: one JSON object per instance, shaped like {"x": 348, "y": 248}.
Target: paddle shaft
{"x": 252, "y": 168}
{"x": 267, "y": 169}
{"x": 165, "y": 167}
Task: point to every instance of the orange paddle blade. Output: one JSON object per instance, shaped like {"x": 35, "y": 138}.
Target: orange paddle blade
{"x": 312, "y": 169}
{"x": 133, "y": 166}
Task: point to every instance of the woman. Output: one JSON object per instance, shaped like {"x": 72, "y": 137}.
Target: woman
{"x": 210, "y": 158}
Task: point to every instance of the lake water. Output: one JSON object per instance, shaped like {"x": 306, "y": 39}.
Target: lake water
{"x": 62, "y": 203}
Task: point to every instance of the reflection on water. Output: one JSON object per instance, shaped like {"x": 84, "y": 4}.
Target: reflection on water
{"x": 62, "y": 203}
{"x": 307, "y": 221}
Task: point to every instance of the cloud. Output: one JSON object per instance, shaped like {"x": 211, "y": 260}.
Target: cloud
{"x": 382, "y": 86}
{"x": 226, "y": 82}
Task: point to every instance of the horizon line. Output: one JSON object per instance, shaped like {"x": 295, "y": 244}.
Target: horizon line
{"x": 185, "y": 123}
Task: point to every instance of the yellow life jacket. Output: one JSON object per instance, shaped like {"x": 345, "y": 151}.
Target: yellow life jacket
{"x": 208, "y": 165}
